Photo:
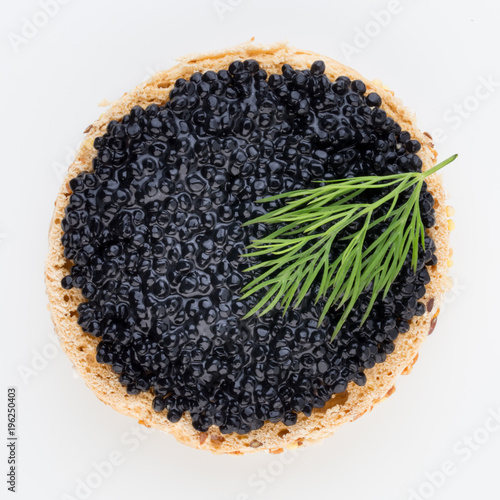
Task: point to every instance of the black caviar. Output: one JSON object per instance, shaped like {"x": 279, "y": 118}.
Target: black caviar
{"x": 155, "y": 236}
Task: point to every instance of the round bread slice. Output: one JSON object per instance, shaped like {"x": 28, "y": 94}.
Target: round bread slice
{"x": 274, "y": 438}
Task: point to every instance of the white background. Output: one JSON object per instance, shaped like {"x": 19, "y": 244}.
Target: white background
{"x": 437, "y": 56}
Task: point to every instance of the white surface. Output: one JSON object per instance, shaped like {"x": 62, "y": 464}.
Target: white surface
{"x": 435, "y": 54}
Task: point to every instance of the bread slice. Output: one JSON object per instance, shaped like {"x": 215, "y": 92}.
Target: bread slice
{"x": 274, "y": 438}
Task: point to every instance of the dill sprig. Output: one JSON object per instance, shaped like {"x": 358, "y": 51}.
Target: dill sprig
{"x": 297, "y": 254}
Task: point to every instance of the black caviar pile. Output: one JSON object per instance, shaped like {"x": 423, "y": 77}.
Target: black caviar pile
{"x": 156, "y": 239}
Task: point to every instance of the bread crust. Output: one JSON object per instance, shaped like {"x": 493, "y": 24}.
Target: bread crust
{"x": 275, "y": 438}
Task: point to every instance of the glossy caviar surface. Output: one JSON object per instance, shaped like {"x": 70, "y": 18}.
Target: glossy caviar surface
{"x": 155, "y": 236}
